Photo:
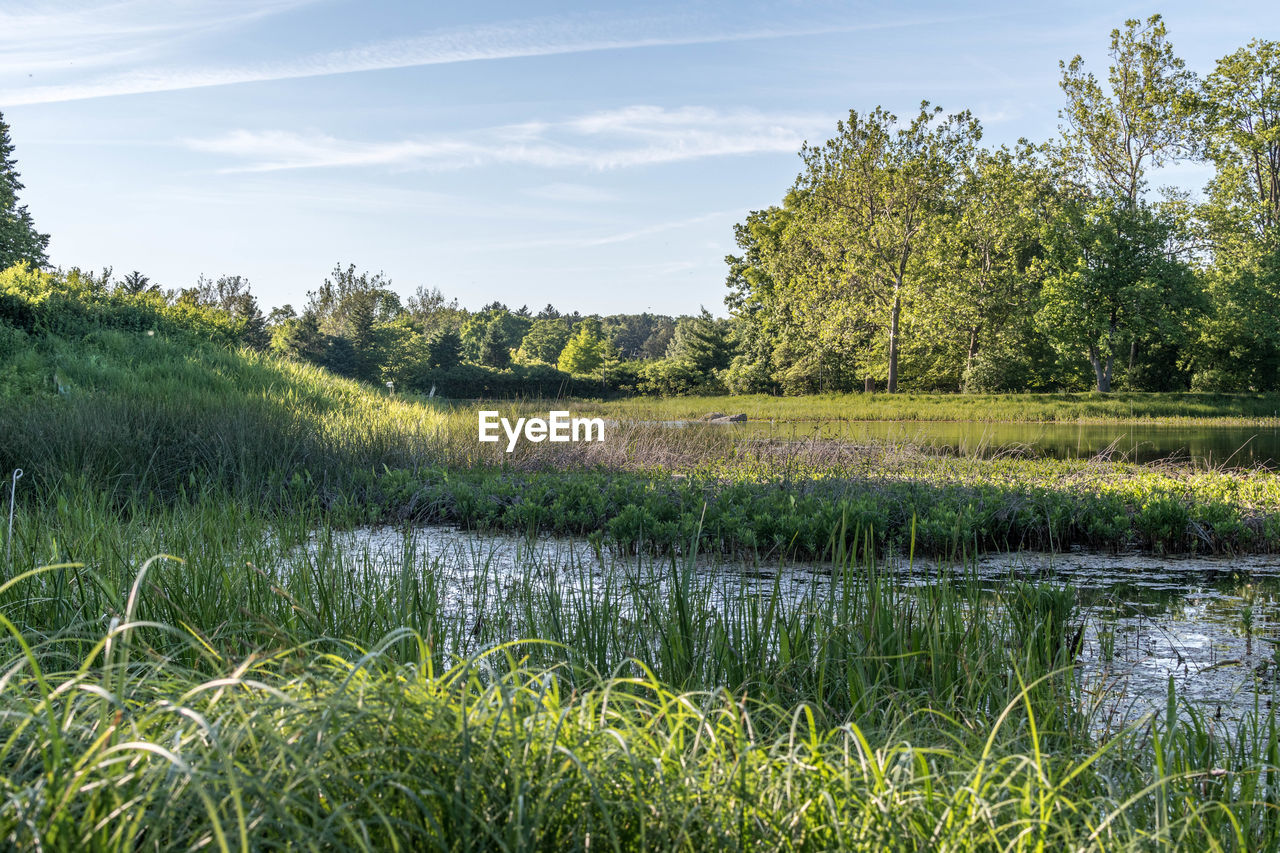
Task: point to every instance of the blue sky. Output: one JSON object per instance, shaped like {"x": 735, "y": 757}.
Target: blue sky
{"x": 591, "y": 155}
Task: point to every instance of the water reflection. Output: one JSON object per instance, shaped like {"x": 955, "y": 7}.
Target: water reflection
{"x": 1212, "y": 623}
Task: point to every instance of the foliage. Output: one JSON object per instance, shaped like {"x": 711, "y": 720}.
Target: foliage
{"x": 545, "y": 340}
{"x": 1113, "y": 280}
{"x": 445, "y": 349}
{"x": 494, "y": 351}
{"x": 586, "y": 350}
{"x": 19, "y": 239}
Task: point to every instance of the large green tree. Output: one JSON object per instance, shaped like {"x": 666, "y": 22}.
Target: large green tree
{"x": 1237, "y": 114}
{"x": 19, "y": 239}
{"x": 1113, "y": 135}
{"x": 586, "y": 350}
{"x": 1114, "y": 279}
{"x": 1116, "y": 290}
{"x": 987, "y": 259}
{"x": 871, "y": 199}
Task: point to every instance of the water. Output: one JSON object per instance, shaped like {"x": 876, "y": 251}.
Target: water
{"x": 1233, "y": 446}
{"x": 1146, "y": 618}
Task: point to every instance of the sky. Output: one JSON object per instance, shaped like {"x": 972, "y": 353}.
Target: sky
{"x": 591, "y": 155}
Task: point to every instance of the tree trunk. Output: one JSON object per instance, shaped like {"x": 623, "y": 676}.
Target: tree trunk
{"x": 968, "y": 363}
{"x": 892, "y": 385}
{"x": 1101, "y": 369}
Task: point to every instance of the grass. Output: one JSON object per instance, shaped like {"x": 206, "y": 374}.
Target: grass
{"x": 264, "y": 694}
{"x": 1081, "y": 408}
{"x": 281, "y": 687}
{"x": 146, "y": 420}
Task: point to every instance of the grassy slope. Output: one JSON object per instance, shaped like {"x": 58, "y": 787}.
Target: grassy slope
{"x": 143, "y": 415}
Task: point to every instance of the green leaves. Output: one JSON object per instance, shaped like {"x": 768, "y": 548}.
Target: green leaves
{"x": 19, "y": 240}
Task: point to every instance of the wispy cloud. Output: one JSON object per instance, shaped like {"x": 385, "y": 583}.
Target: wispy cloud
{"x": 41, "y": 37}
{"x": 543, "y": 37}
{"x": 634, "y": 136}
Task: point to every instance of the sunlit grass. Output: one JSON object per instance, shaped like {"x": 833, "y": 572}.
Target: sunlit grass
{"x": 1084, "y": 408}
{"x": 266, "y": 694}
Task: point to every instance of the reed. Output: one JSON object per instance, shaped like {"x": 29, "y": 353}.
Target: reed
{"x": 283, "y": 688}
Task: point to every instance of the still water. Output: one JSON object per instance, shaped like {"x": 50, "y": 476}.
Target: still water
{"x": 1232, "y": 446}
{"x": 1212, "y": 624}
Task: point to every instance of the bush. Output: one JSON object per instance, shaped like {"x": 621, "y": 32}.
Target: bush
{"x": 671, "y": 377}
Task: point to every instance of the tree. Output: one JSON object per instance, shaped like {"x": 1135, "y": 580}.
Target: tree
{"x": 991, "y": 247}
{"x": 585, "y": 351}
{"x": 703, "y": 343}
{"x": 301, "y": 338}
{"x": 1112, "y": 139}
{"x": 231, "y": 294}
{"x": 1114, "y": 279}
{"x": 545, "y": 340}
{"x": 19, "y": 239}
{"x": 494, "y": 351}
{"x": 135, "y": 283}
{"x": 444, "y": 349}
{"x": 869, "y": 200}
{"x": 1130, "y": 283}
{"x": 1237, "y": 113}
{"x": 1238, "y": 109}
{"x": 511, "y": 328}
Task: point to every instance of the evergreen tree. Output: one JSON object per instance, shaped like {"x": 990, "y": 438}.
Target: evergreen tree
{"x": 444, "y": 350}
{"x": 702, "y": 342}
{"x": 19, "y": 240}
{"x": 494, "y": 351}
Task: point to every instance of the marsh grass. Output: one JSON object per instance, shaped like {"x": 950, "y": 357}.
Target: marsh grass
{"x": 282, "y": 688}
{"x": 1083, "y": 408}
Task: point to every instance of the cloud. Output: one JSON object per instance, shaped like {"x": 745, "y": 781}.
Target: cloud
{"x": 634, "y": 136}
{"x": 41, "y": 37}
{"x": 542, "y": 37}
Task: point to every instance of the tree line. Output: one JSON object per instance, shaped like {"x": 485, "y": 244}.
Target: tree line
{"x": 908, "y": 255}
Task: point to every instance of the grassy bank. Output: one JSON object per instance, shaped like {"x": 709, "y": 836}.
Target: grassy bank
{"x": 144, "y": 420}
{"x": 280, "y": 686}
{"x": 284, "y": 686}
{"x": 1082, "y": 408}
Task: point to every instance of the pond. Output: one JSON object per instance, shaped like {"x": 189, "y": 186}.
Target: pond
{"x": 1233, "y": 446}
{"x": 1212, "y": 624}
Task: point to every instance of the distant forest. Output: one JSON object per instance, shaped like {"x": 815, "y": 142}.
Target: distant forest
{"x": 905, "y": 256}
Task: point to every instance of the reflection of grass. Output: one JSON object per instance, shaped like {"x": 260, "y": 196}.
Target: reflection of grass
{"x": 1240, "y": 409}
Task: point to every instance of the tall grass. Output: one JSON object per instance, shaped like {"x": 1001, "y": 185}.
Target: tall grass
{"x": 1186, "y": 408}
{"x": 282, "y": 688}
{"x": 154, "y": 418}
